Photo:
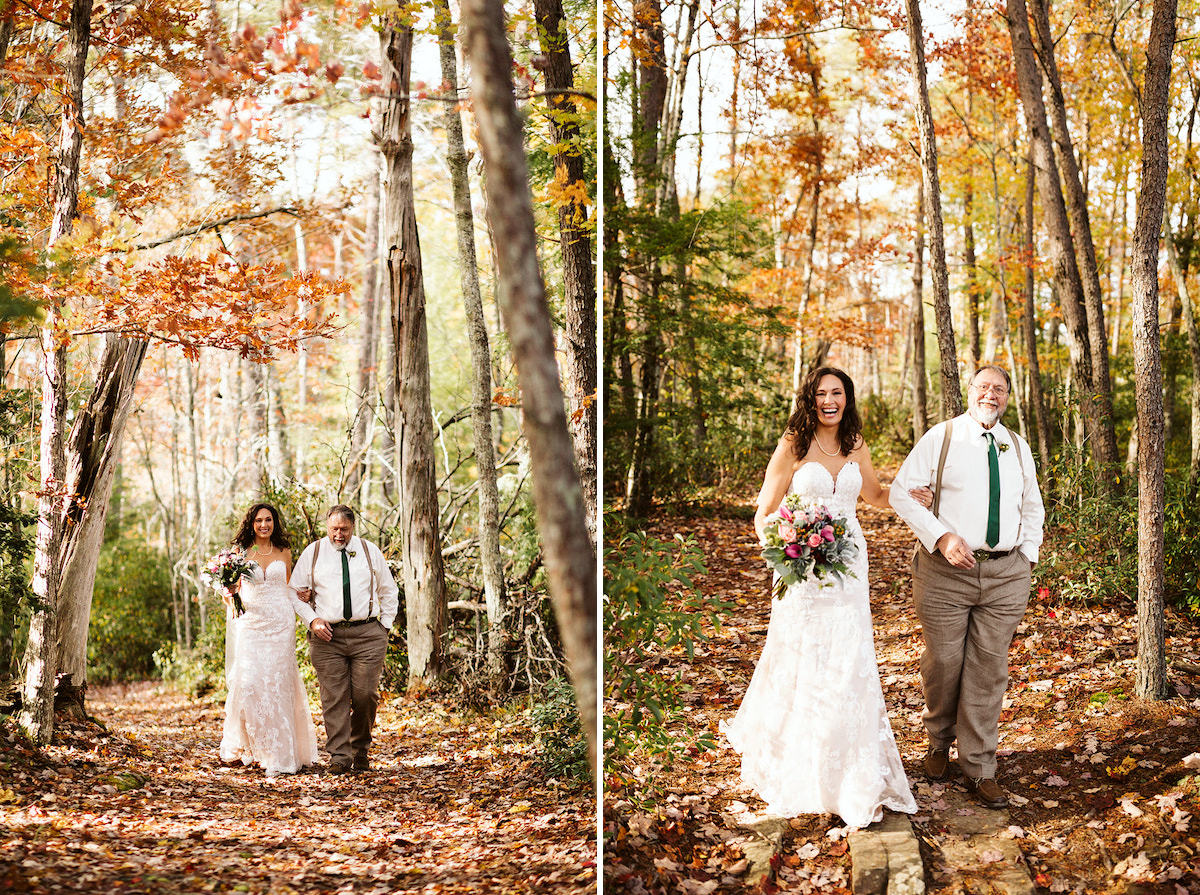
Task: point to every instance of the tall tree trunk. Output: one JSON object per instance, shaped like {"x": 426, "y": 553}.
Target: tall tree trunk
{"x": 421, "y": 556}
{"x": 1105, "y": 446}
{"x": 920, "y": 404}
{"x": 368, "y": 346}
{"x": 491, "y": 562}
{"x": 1067, "y": 284}
{"x": 1036, "y": 392}
{"x": 972, "y": 285}
{"x": 1156, "y": 102}
{"x": 952, "y": 403}
{"x": 579, "y": 276}
{"x": 570, "y": 557}
{"x": 95, "y": 449}
{"x": 37, "y": 712}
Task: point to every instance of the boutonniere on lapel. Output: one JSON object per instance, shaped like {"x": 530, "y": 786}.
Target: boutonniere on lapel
{"x": 1002, "y": 447}
{"x": 354, "y": 553}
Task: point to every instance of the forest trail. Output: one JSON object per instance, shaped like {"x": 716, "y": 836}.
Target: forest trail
{"x": 451, "y": 806}
{"x": 1101, "y": 797}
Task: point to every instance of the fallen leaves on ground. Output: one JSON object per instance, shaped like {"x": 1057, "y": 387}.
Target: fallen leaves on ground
{"x": 1105, "y": 788}
{"x": 137, "y": 801}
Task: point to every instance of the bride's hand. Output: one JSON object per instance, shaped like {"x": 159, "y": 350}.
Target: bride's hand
{"x": 922, "y": 495}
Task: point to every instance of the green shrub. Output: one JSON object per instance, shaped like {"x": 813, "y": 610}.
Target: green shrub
{"x": 131, "y": 612}
{"x": 562, "y": 747}
{"x": 650, "y": 606}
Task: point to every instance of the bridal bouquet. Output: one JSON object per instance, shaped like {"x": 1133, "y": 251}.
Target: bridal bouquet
{"x": 223, "y": 571}
{"x": 802, "y": 540}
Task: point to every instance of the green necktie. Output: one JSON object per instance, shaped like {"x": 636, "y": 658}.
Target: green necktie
{"x": 993, "y": 529}
{"x": 347, "y": 612}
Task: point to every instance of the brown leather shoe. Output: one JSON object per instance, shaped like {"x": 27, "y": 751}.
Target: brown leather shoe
{"x": 987, "y": 792}
{"x": 937, "y": 764}
{"x": 337, "y": 768}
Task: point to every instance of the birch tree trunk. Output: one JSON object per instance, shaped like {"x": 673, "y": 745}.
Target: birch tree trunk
{"x": 570, "y": 557}
{"x": 579, "y": 274}
{"x": 421, "y": 553}
{"x": 491, "y": 562}
{"x": 952, "y": 403}
{"x": 1147, "y": 353}
{"x": 37, "y": 707}
{"x": 1029, "y": 319}
{"x": 920, "y": 404}
{"x": 368, "y": 347}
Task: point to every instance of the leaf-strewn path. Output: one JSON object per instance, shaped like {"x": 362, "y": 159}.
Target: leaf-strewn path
{"x": 453, "y": 806}
{"x": 1103, "y": 801}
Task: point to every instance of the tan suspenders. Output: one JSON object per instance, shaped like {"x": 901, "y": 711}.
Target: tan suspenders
{"x": 312, "y": 572}
{"x": 937, "y": 486}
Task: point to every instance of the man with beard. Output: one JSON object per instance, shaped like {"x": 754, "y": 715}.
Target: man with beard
{"x": 971, "y": 574}
{"x": 354, "y": 601}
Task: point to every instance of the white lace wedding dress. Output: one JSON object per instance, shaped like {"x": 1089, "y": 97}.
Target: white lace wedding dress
{"x": 267, "y": 720}
{"x": 813, "y": 728}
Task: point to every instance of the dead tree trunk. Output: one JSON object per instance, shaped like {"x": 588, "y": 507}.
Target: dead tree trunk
{"x": 424, "y": 576}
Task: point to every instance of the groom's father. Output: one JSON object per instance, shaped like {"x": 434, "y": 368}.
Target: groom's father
{"x": 971, "y": 574}
{"x": 351, "y": 601}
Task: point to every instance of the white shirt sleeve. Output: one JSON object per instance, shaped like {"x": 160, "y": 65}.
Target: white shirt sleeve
{"x": 387, "y": 590}
{"x": 302, "y": 577}
{"x": 919, "y": 469}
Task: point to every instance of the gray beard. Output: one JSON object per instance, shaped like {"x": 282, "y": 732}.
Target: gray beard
{"x": 986, "y": 418}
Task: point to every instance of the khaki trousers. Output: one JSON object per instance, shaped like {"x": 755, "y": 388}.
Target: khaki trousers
{"x": 968, "y": 619}
{"x": 348, "y": 669}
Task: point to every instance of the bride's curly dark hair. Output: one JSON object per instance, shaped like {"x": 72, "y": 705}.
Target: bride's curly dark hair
{"x": 245, "y": 536}
{"x": 802, "y": 424}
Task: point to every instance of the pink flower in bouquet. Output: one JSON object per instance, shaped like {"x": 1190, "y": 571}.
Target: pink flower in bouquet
{"x": 827, "y": 532}
{"x": 793, "y": 551}
{"x": 814, "y": 540}
{"x": 785, "y": 513}
{"x": 787, "y": 532}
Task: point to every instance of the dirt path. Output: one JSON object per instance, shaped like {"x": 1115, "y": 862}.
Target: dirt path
{"x": 452, "y": 806}
{"x": 1101, "y": 797}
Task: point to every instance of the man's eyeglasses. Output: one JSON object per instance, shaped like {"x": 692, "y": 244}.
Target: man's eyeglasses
{"x": 998, "y": 390}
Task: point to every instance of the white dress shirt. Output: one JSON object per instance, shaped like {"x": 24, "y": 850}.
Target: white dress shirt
{"x": 963, "y": 508}
{"x": 381, "y": 601}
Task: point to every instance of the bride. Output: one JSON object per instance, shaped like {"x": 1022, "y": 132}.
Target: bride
{"x": 813, "y": 728}
{"x": 267, "y": 720}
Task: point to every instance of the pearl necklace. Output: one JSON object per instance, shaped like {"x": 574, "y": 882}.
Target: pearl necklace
{"x": 817, "y": 439}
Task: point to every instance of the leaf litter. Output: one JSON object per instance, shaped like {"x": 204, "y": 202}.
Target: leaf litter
{"x": 1105, "y": 788}
{"x": 136, "y": 800}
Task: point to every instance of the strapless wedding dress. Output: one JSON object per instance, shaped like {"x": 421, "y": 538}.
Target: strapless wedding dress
{"x": 267, "y": 720}
{"x": 813, "y": 728}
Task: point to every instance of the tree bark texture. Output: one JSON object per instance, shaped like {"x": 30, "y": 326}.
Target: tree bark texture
{"x": 491, "y": 561}
{"x": 579, "y": 273}
{"x": 939, "y": 277}
{"x": 37, "y": 712}
{"x": 1147, "y": 353}
{"x": 424, "y": 575}
{"x": 570, "y": 557}
{"x": 1105, "y": 447}
{"x": 1067, "y": 284}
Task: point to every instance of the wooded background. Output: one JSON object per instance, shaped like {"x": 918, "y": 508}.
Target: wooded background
{"x": 252, "y": 251}
{"x": 907, "y": 191}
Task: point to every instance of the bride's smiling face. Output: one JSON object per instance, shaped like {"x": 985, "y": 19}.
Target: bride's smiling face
{"x": 830, "y": 401}
{"x": 264, "y": 524}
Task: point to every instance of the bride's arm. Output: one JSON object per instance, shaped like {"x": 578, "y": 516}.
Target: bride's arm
{"x": 287, "y": 563}
{"x": 775, "y": 482}
{"x": 872, "y": 492}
